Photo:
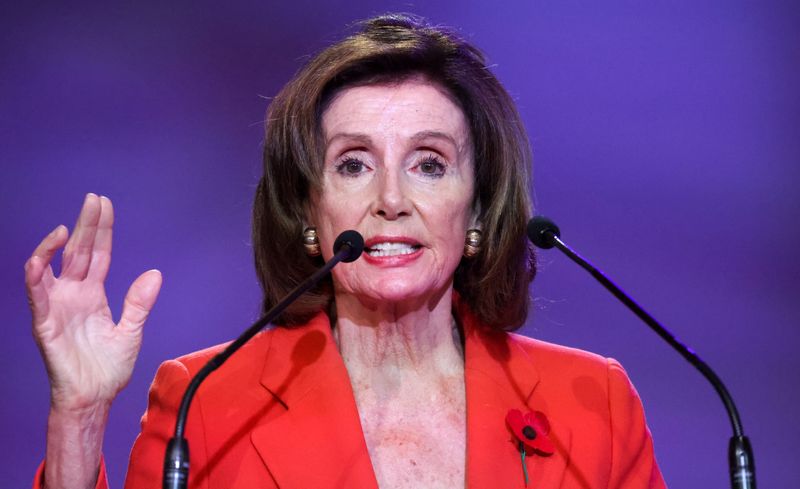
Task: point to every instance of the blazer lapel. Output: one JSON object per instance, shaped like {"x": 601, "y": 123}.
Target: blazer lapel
{"x": 316, "y": 439}
{"x": 499, "y": 376}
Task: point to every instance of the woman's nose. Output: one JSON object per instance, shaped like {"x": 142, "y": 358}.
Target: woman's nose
{"x": 391, "y": 200}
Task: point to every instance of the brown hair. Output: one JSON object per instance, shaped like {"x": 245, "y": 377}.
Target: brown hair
{"x": 391, "y": 48}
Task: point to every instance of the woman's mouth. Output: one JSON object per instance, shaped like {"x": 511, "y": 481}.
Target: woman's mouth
{"x": 389, "y": 248}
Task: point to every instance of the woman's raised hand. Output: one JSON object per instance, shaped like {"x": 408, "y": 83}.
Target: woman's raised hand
{"x": 88, "y": 357}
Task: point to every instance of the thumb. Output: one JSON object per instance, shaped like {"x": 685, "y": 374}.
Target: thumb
{"x": 140, "y": 300}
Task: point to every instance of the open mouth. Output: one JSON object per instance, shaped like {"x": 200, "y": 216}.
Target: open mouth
{"x": 378, "y": 250}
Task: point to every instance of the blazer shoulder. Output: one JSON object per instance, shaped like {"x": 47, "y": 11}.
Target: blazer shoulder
{"x": 256, "y": 347}
{"x": 551, "y": 356}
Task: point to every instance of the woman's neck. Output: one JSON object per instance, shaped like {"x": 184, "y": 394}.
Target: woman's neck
{"x": 392, "y": 340}
{"x": 406, "y": 367}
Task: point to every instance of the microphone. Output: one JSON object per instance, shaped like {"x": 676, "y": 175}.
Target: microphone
{"x": 347, "y": 248}
{"x": 351, "y": 241}
{"x": 542, "y": 231}
{"x": 544, "y": 234}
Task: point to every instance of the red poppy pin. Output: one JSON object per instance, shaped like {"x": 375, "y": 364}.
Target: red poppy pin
{"x": 531, "y": 430}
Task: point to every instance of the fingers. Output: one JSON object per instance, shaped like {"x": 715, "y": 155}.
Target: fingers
{"x": 48, "y": 247}
{"x": 101, "y": 253}
{"x": 39, "y": 274}
{"x": 140, "y": 300}
{"x": 37, "y": 292}
{"x": 78, "y": 252}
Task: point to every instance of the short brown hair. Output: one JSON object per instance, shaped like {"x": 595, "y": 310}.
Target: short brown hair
{"x": 391, "y": 48}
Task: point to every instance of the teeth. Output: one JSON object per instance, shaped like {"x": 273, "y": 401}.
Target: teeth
{"x": 391, "y": 249}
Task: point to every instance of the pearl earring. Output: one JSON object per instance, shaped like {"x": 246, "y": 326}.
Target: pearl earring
{"x": 311, "y": 241}
{"x": 472, "y": 244}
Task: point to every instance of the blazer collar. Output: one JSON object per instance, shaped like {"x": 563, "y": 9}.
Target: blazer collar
{"x": 500, "y": 374}
{"x": 317, "y": 440}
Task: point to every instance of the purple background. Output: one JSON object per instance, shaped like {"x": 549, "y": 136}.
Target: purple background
{"x": 666, "y": 147}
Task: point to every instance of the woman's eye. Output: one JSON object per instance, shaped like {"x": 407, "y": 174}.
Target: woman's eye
{"x": 432, "y": 167}
{"x": 350, "y": 167}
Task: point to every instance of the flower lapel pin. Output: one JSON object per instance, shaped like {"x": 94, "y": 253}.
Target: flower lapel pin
{"x": 531, "y": 431}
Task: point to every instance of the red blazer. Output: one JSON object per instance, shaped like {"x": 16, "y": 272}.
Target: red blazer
{"x": 281, "y": 414}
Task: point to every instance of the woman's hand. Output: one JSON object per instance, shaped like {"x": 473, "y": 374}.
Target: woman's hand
{"x": 89, "y": 359}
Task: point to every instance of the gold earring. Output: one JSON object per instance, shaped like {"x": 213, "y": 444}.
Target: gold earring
{"x": 311, "y": 241}
{"x": 472, "y": 245}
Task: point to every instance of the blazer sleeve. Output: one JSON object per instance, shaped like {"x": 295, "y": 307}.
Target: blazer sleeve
{"x": 158, "y": 425}
{"x": 633, "y": 463}
{"x": 102, "y": 481}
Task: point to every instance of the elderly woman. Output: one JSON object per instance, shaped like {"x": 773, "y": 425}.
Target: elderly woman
{"x": 397, "y": 372}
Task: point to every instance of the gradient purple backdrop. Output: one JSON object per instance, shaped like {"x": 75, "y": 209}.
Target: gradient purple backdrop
{"x": 666, "y": 147}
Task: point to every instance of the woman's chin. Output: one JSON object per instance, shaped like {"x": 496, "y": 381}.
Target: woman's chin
{"x": 402, "y": 292}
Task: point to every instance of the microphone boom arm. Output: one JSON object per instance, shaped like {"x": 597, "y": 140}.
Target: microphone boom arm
{"x": 348, "y": 247}
{"x": 660, "y": 330}
{"x": 545, "y": 234}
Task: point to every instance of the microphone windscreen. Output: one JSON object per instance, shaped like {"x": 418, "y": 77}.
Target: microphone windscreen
{"x": 541, "y": 232}
{"x": 354, "y": 242}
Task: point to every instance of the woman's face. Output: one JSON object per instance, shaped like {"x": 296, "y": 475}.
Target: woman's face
{"x": 398, "y": 169}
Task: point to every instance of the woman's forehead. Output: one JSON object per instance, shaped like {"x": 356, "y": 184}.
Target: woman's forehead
{"x": 414, "y": 108}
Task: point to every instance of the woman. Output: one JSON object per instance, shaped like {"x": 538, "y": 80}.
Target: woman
{"x": 398, "y": 372}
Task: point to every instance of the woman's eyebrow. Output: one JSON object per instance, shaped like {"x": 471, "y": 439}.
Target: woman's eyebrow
{"x": 366, "y": 140}
{"x": 350, "y": 136}
{"x": 422, "y": 135}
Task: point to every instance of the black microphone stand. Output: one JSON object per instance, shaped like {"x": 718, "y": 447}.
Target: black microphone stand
{"x": 347, "y": 248}
{"x": 545, "y": 234}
